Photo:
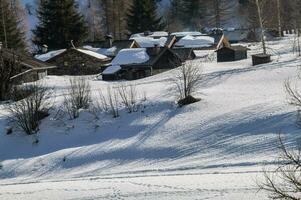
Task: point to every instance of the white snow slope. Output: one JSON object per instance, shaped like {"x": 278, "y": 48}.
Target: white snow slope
{"x": 213, "y": 149}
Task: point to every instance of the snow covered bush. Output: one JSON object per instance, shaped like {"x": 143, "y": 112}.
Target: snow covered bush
{"x": 186, "y": 81}
{"x": 129, "y": 97}
{"x": 78, "y": 97}
{"x": 28, "y": 112}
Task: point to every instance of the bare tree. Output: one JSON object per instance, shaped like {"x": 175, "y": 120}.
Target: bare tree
{"x": 28, "y": 112}
{"x": 187, "y": 78}
{"x": 285, "y": 181}
{"x": 259, "y": 8}
{"x": 78, "y": 97}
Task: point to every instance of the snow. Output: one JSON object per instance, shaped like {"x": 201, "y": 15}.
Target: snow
{"x": 147, "y": 42}
{"x": 152, "y": 35}
{"x": 93, "y": 54}
{"x": 49, "y": 55}
{"x": 131, "y": 56}
{"x": 183, "y": 34}
{"x": 198, "y": 41}
{"x": 112, "y": 69}
{"x": 104, "y": 51}
{"x": 213, "y": 149}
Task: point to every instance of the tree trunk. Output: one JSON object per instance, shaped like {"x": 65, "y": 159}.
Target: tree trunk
{"x": 261, "y": 27}
{"x": 279, "y": 18}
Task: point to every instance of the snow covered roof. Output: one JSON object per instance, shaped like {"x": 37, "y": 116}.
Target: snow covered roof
{"x": 52, "y": 54}
{"x": 104, "y": 51}
{"x": 111, "y": 69}
{"x": 147, "y": 42}
{"x": 196, "y": 42}
{"x": 93, "y": 54}
{"x": 131, "y": 56}
{"x": 183, "y": 34}
{"x": 151, "y": 34}
{"x": 49, "y": 55}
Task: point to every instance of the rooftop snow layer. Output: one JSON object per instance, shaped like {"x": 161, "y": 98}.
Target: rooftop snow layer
{"x": 112, "y": 69}
{"x": 199, "y": 41}
{"x": 147, "y": 42}
{"x": 152, "y": 34}
{"x": 49, "y": 55}
{"x": 131, "y": 56}
{"x": 183, "y": 34}
{"x": 93, "y": 54}
{"x": 104, "y": 51}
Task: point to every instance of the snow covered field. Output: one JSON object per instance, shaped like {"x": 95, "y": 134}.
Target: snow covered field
{"x": 213, "y": 149}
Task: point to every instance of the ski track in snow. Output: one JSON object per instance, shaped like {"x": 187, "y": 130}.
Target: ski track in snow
{"x": 213, "y": 149}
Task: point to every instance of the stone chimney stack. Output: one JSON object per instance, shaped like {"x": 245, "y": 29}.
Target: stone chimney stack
{"x": 156, "y": 49}
{"x": 109, "y": 41}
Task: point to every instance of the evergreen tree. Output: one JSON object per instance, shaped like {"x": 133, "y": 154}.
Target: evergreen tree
{"x": 174, "y": 17}
{"x": 59, "y": 24}
{"x": 10, "y": 34}
{"x": 143, "y": 16}
{"x": 193, "y": 11}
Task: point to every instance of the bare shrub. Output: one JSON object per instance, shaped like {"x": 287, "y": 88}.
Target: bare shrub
{"x": 113, "y": 102}
{"x": 294, "y": 98}
{"x": 285, "y": 181}
{"x": 186, "y": 80}
{"x": 109, "y": 102}
{"x": 78, "y": 97}
{"x": 129, "y": 97}
{"x": 28, "y": 112}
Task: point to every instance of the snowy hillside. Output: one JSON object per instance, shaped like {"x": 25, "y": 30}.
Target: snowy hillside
{"x": 213, "y": 149}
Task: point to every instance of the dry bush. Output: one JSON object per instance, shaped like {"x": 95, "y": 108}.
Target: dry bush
{"x": 285, "y": 181}
{"x": 113, "y": 102}
{"x": 129, "y": 97}
{"x": 109, "y": 102}
{"x": 294, "y": 98}
{"x": 78, "y": 97}
{"x": 186, "y": 81}
{"x": 28, "y": 112}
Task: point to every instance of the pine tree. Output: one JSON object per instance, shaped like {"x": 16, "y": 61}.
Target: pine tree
{"x": 10, "y": 34}
{"x": 220, "y": 11}
{"x": 59, "y": 24}
{"x": 174, "y": 21}
{"x": 143, "y": 16}
{"x": 193, "y": 12}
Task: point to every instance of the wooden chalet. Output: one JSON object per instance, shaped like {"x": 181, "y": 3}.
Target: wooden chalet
{"x": 75, "y": 61}
{"x": 159, "y": 59}
{"x": 30, "y": 69}
{"x": 110, "y": 47}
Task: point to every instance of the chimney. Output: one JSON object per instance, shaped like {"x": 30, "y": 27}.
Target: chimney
{"x": 147, "y": 33}
{"x": 109, "y": 41}
{"x": 156, "y": 49}
{"x": 44, "y": 48}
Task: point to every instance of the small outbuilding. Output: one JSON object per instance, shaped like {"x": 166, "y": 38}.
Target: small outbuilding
{"x": 231, "y": 53}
